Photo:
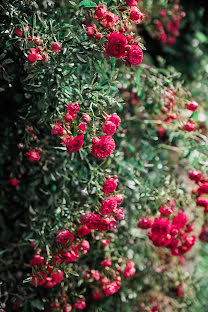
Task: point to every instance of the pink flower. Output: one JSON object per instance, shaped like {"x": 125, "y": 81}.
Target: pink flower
{"x": 56, "y": 46}
{"x": 163, "y": 37}
{"x": 109, "y": 185}
{"x": 34, "y": 56}
{"x": 114, "y": 118}
{"x": 129, "y": 269}
{"x": 69, "y": 256}
{"x": 109, "y": 128}
{"x": 134, "y": 55}
{"x": 180, "y": 291}
{"x": 103, "y": 147}
{"x": 119, "y": 198}
{"x": 91, "y": 31}
{"x": 106, "y": 262}
{"x": 33, "y": 156}
{"x": 131, "y": 2}
{"x": 170, "y": 41}
{"x": 86, "y": 118}
{"x": 79, "y": 305}
{"x": 84, "y": 245}
{"x": 57, "y": 277}
{"x": 192, "y": 106}
{"x": 68, "y": 308}
{"x": 109, "y": 19}
{"x": 82, "y": 127}
{"x": 105, "y": 242}
{"x": 116, "y": 45}
{"x": 166, "y": 211}
{"x": 120, "y": 214}
{"x": 14, "y": 182}
{"x": 74, "y": 144}
{"x": 136, "y": 15}
{"x": 108, "y": 205}
{"x": 64, "y": 236}
{"x": 107, "y": 224}
{"x": 100, "y": 11}
{"x": 111, "y": 289}
{"x": 57, "y": 129}
{"x": 163, "y": 13}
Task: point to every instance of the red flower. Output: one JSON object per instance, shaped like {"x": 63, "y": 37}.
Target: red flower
{"x": 103, "y": 147}
{"x": 180, "y": 220}
{"x": 34, "y": 56}
{"x": 74, "y": 144}
{"x": 203, "y": 236}
{"x": 180, "y": 291}
{"x": 73, "y": 107}
{"x": 202, "y": 201}
{"x": 109, "y": 185}
{"x": 111, "y": 289}
{"x": 14, "y": 182}
{"x": 144, "y": 223}
{"x": 56, "y": 46}
{"x": 86, "y": 118}
{"x": 119, "y": 198}
{"x": 192, "y": 106}
{"x": 116, "y": 45}
{"x": 57, "y": 129}
{"x": 109, "y": 128}
{"x": 136, "y": 15}
{"x": 37, "y": 261}
{"x": 91, "y": 220}
{"x": 195, "y": 175}
{"x": 19, "y": 31}
{"x": 163, "y": 37}
{"x": 114, "y": 118}
{"x": 203, "y": 189}
{"x": 108, "y": 205}
{"x": 134, "y": 55}
{"x": 161, "y": 226}
{"x": 190, "y": 126}
{"x": 109, "y": 19}
{"x": 100, "y": 11}
{"x": 96, "y": 294}
{"x": 79, "y": 305}
{"x": 82, "y": 127}
{"x": 83, "y": 230}
{"x": 68, "y": 118}
{"x": 63, "y": 237}
{"x": 107, "y": 224}
{"x": 33, "y": 156}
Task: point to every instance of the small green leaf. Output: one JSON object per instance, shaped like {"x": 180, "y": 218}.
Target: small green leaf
{"x": 88, "y": 4}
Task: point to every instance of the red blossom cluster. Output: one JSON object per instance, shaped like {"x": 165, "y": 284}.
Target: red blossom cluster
{"x": 101, "y": 147}
{"x": 202, "y": 191}
{"x": 170, "y": 230}
{"x": 41, "y": 51}
{"x": 169, "y": 101}
{"x": 121, "y": 42}
{"x": 166, "y": 28}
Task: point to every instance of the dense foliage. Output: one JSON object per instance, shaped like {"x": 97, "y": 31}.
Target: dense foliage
{"x": 104, "y": 156}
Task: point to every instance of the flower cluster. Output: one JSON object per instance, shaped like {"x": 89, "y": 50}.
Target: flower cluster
{"x": 202, "y": 190}
{"x": 166, "y": 28}
{"x": 170, "y": 230}
{"x": 121, "y": 42}
{"x": 41, "y": 51}
{"x": 101, "y": 147}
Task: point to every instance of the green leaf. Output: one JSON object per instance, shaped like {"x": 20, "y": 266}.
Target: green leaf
{"x": 88, "y": 4}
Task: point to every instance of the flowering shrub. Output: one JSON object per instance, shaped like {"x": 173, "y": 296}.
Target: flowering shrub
{"x": 97, "y": 141}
